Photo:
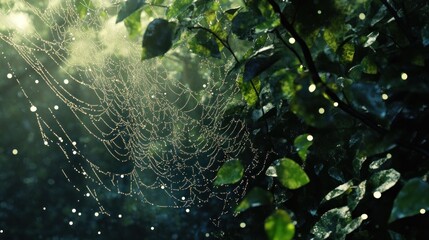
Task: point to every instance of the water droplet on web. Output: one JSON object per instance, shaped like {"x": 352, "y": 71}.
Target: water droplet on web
{"x": 56, "y": 107}
{"x": 152, "y": 228}
{"x": 204, "y": 85}
{"x": 87, "y": 194}
{"x": 74, "y": 143}
{"x": 187, "y": 210}
{"x": 207, "y": 235}
{"x": 79, "y": 214}
{"x": 309, "y": 138}
{"x": 291, "y": 40}
{"x": 99, "y": 232}
{"x": 96, "y": 214}
{"x": 36, "y": 81}
{"x": 242, "y": 224}
{"x": 362, "y": 16}
{"x": 319, "y": 12}
{"x": 312, "y": 88}
{"x": 66, "y": 81}
{"x": 74, "y": 152}
{"x": 44, "y": 208}
{"x": 122, "y": 176}
{"x": 60, "y": 139}
{"x": 384, "y": 96}
{"x": 404, "y": 76}
{"x": 321, "y": 110}
{"x": 71, "y": 223}
{"x": 422, "y": 211}
{"x": 74, "y": 210}
{"x": 364, "y": 216}
{"x": 183, "y": 198}
{"x": 45, "y": 143}
{"x": 15, "y": 151}
{"x": 9, "y": 75}
{"x": 119, "y": 215}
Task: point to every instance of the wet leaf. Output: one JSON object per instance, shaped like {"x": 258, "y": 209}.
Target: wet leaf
{"x": 301, "y": 145}
{"x": 412, "y": 198}
{"x": 371, "y": 38}
{"x": 356, "y": 195}
{"x": 290, "y": 174}
{"x": 366, "y": 97}
{"x": 279, "y": 226}
{"x": 338, "y": 191}
{"x": 369, "y": 66}
{"x": 157, "y": 39}
{"x": 255, "y": 198}
{"x": 248, "y": 92}
{"x": 335, "y": 224}
{"x": 243, "y": 24}
{"x": 128, "y": 8}
{"x": 230, "y": 172}
{"x": 384, "y": 180}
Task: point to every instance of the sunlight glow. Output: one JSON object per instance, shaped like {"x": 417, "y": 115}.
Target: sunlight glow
{"x": 377, "y": 194}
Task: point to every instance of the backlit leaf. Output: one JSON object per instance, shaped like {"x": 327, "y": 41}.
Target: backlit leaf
{"x": 279, "y": 226}
{"x": 290, "y": 174}
{"x": 203, "y": 43}
{"x": 384, "y": 180}
{"x": 338, "y": 191}
{"x": 301, "y": 145}
{"x": 255, "y": 198}
{"x": 133, "y": 24}
{"x": 230, "y": 172}
{"x": 178, "y": 7}
{"x": 250, "y": 94}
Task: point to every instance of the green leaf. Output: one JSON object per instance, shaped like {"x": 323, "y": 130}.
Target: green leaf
{"x": 301, "y": 145}
{"x": 371, "y": 38}
{"x": 335, "y": 224}
{"x": 248, "y": 92}
{"x": 384, "y": 180}
{"x": 133, "y": 24}
{"x": 255, "y": 198}
{"x": 204, "y": 44}
{"x": 83, "y": 7}
{"x": 178, "y": 7}
{"x": 412, "y": 198}
{"x": 347, "y": 52}
{"x": 128, "y": 8}
{"x": 356, "y": 195}
{"x": 338, "y": 191}
{"x": 244, "y": 23}
{"x": 279, "y": 226}
{"x": 157, "y": 38}
{"x": 230, "y": 172}
{"x": 290, "y": 174}
{"x": 369, "y": 66}
{"x": 257, "y": 65}
{"x": 366, "y": 96}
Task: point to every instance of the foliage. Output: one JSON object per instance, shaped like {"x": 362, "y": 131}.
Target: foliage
{"x": 337, "y": 67}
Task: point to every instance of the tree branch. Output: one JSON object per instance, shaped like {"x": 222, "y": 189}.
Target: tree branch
{"x": 399, "y": 21}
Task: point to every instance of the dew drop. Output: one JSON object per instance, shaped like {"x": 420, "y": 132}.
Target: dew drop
{"x": 36, "y": 81}
{"x": 162, "y": 187}
{"x": 74, "y": 143}
{"x": 377, "y": 194}
{"x": 9, "y": 75}
{"x": 364, "y": 216}
{"x": 56, "y": 107}
{"x": 45, "y": 143}
{"x": 1, "y": 230}
{"x": 242, "y": 224}
{"x": 71, "y": 223}
{"x": 422, "y": 211}
{"x": 384, "y": 96}
{"x": 152, "y": 228}
{"x": 309, "y": 138}
{"x": 96, "y": 214}
{"x": 321, "y": 110}
{"x": 187, "y": 210}
{"x": 319, "y": 12}
{"x": 404, "y": 76}
{"x": 87, "y": 194}
{"x": 119, "y": 215}
{"x": 312, "y": 88}
{"x": 362, "y": 16}
{"x": 291, "y": 40}
{"x": 389, "y": 156}
{"x": 15, "y": 151}
{"x": 207, "y": 235}
{"x": 122, "y": 176}
{"x": 74, "y": 210}
{"x": 335, "y": 104}
{"x": 44, "y": 208}
{"x": 183, "y": 198}
{"x": 79, "y": 214}
{"x": 66, "y": 81}
{"x": 99, "y": 232}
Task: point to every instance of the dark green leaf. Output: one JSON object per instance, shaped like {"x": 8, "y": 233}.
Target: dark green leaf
{"x": 257, "y": 65}
{"x": 204, "y": 44}
{"x": 369, "y": 66}
{"x": 230, "y": 172}
{"x": 128, "y": 8}
{"x": 347, "y": 52}
{"x": 157, "y": 38}
{"x": 133, "y": 24}
{"x": 279, "y": 226}
{"x": 384, "y": 180}
{"x": 243, "y": 24}
{"x": 178, "y": 7}
{"x": 83, "y": 7}
{"x": 411, "y": 200}
{"x": 255, "y": 198}
{"x": 290, "y": 174}
{"x": 366, "y": 97}
{"x": 302, "y": 144}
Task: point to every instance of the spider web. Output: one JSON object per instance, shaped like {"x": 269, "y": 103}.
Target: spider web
{"x": 165, "y": 141}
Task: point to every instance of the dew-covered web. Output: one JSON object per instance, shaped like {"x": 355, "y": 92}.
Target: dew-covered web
{"x": 165, "y": 141}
